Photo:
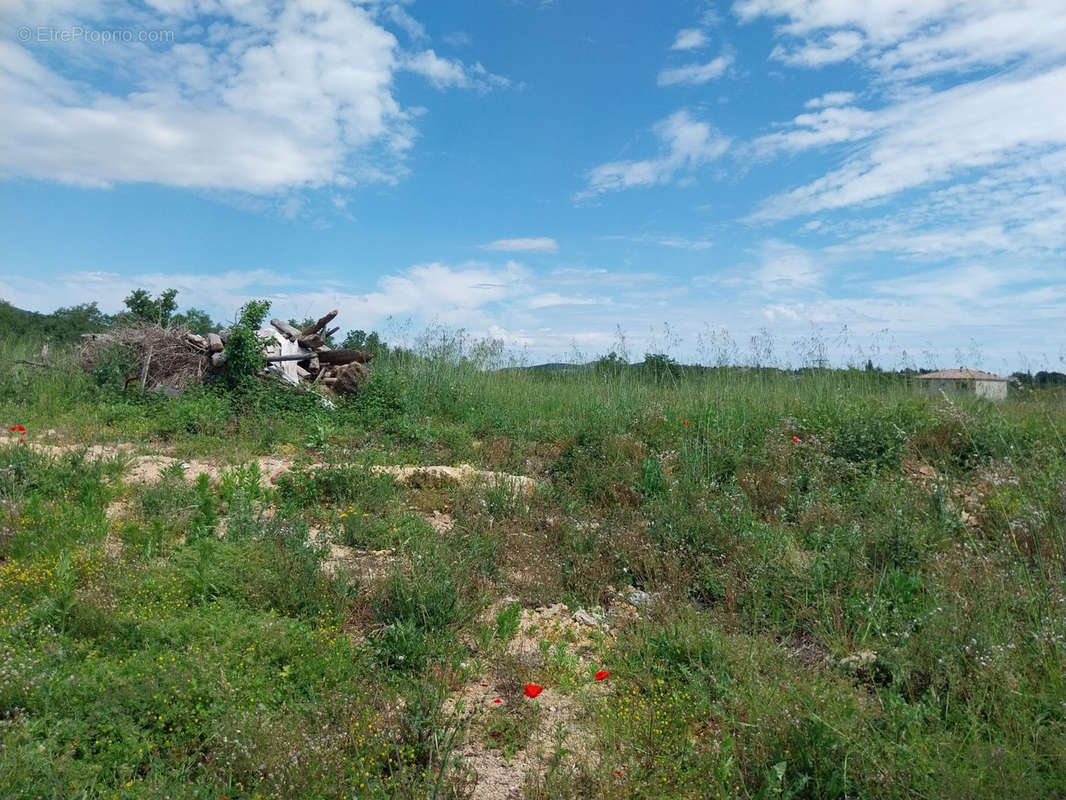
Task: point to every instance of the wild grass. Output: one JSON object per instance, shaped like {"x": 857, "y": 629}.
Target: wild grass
{"x": 858, "y": 591}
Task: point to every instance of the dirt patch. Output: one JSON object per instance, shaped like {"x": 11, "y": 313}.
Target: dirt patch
{"x": 113, "y": 547}
{"x": 440, "y": 521}
{"x": 499, "y": 777}
{"x": 117, "y": 509}
{"x": 558, "y": 626}
{"x": 502, "y": 777}
{"x": 149, "y": 468}
{"x": 96, "y": 452}
{"x": 464, "y": 474}
{"x": 366, "y": 565}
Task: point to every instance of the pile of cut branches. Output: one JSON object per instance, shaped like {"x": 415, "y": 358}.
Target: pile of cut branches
{"x": 150, "y": 355}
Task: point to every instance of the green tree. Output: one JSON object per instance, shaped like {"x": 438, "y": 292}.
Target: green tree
{"x": 196, "y": 321}
{"x": 660, "y": 366}
{"x": 142, "y": 306}
{"x": 361, "y": 340}
{"x": 611, "y": 363}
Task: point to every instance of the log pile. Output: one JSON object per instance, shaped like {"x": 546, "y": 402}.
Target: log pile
{"x": 303, "y": 356}
{"x": 172, "y": 358}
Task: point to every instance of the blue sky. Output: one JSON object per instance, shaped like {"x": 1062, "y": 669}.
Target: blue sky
{"x": 882, "y": 179}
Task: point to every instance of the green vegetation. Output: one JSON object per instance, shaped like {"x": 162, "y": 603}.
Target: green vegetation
{"x": 62, "y": 326}
{"x": 851, "y": 590}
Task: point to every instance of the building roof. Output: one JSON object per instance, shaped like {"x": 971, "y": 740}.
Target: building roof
{"x": 962, "y": 375}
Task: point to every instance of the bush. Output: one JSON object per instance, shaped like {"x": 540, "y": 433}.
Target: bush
{"x": 244, "y": 348}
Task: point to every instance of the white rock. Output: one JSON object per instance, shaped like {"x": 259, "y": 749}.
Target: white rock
{"x": 640, "y": 598}
{"x": 582, "y": 617}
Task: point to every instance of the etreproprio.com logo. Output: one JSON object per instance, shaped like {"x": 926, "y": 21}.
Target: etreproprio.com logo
{"x": 77, "y": 34}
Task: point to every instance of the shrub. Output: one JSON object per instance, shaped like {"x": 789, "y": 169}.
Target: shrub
{"x": 244, "y": 348}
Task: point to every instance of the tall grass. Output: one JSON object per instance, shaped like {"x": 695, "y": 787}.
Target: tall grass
{"x": 857, "y": 590}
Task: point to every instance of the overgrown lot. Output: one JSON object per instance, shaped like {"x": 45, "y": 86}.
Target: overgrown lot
{"x": 813, "y": 586}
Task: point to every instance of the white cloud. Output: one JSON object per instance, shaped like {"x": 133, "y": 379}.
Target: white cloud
{"x": 835, "y": 47}
{"x": 831, "y": 125}
{"x": 542, "y": 244}
{"x": 964, "y": 169}
{"x": 458, "y": 39}
{"x": 667, "y": 240}
{"x": 968, "y": 282}
{"x": 925, "y": 140}
{"x": 696, "y": 74}
{"x": 446, "y": 73}
{"x": 453, "y": 294}
{"x": 785, "y": 267}
{"x": 412, "y": 27}
{"x": 443, "y": 289}
{"x": 252, "y": 97}
{"x": 906, "y": 39}
{"x": 1016, "y": 211}
{"x": 830, "y": 99}
{"x": 551, "y": 299}
{"x": 689, "y": 39}
{"x": 686, "y": 144}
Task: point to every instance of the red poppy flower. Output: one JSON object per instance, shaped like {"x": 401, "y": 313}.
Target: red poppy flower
{"x": 18, "y": 428}
{"x": 599, "y": 676}
{"x": 796, "y": 439}
{"x": 532, "y": 689}
{"x": 497, "y": 700}
{"x": 618, "y": 772}
{"x": 684, "y": 422}
{"x": 484, "y": 684}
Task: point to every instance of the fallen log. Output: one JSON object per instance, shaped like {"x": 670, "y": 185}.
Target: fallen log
{"x": 291, "y": 333}
{"x": 312, "y": 341}
{"x": 214, "y": 343}
{"x": 317, "y": 326}
{"x": 344, "y": 356}
{"x": 302, "y": 356}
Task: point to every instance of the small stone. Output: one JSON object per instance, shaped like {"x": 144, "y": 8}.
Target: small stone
{"x": 640, "y": 598}
{"x": 857, "y": 660}
{"x": 582, "y": 617}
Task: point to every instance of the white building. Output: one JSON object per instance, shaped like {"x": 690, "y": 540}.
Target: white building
{"x": 965, "y": 381}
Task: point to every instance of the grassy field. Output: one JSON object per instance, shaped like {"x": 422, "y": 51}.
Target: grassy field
{"x": 818, "y": 586}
